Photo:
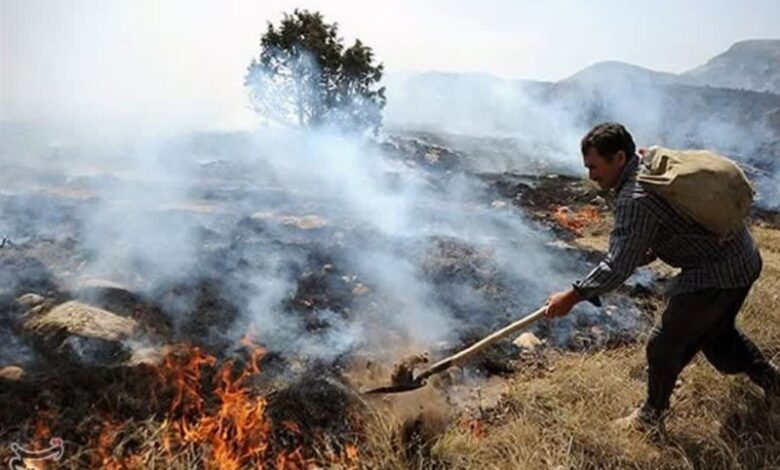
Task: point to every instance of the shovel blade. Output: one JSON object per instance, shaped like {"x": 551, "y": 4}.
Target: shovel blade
{"x": 394, "y": 388}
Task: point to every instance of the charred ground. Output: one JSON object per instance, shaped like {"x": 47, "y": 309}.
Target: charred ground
{"x": 139, "y": 370}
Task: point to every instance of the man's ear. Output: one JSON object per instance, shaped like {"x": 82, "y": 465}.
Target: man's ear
{"x": 621, "y": 157}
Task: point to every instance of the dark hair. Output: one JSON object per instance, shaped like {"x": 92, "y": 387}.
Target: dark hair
{"x": 609, "y": 138}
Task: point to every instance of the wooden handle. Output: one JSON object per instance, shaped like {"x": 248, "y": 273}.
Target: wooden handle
{"x": 475, "y": 348}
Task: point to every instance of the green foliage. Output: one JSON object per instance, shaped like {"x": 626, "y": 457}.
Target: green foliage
{"x": 305, "y": 77}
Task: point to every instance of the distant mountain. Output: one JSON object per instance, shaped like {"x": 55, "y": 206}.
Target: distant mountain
{"x": 750, "y": 65}
{"x": 713, "y": 106}
{"x": 615, "y": 71}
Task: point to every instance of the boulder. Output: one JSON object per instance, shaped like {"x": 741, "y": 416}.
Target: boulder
{"x": 302, "y": 222}
{"x": 28, "y": 301}
{"x": 106, "y": 294}
{"x": 360, "y": 290}
{"x": 11, "y": 373}
{"x": 527, "y": 341}
{"x": 76, "y": 318}
{"x": 80, "y": 333}
{"x": 306, "y": 222}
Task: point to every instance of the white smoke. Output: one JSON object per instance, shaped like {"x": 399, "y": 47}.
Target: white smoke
{"x": 172, "y": 211}
{"x": 546, "y": 120}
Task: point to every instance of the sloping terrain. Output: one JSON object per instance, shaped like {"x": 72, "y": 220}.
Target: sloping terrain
{"x": 247, "y": 341}
{"x": 747, "y": 65}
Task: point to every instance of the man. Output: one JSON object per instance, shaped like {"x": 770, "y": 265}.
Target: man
{"x": 704, "y": 298}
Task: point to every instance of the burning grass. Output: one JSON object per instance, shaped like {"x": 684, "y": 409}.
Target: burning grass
{"x": 576, "y": 221}
{"x": 197, "y": 412}
{"x": 198, "y": 408}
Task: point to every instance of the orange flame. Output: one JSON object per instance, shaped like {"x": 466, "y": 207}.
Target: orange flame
{"x": 42, "y": 432}
{"x": 236, "y": 431}
{"x": 477, "y": 429}
{"x": 351, "y": 454}
{"x": 103, "y": 456}
{"x": 576, "y": 221}
{"x": 213, "y": 412}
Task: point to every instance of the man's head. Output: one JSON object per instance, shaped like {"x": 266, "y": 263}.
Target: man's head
{"x": 605, "y": 150}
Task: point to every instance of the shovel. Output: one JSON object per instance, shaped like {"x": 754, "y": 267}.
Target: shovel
{"x": 458, "y": 358}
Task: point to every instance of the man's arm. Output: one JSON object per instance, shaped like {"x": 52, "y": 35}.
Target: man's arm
{"x": 635, "y": 228}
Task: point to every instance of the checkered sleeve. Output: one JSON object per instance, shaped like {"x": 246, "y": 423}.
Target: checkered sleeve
{"x": 636, "y": 225}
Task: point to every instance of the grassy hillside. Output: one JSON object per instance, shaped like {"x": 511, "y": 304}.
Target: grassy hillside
{"x": 559, "y": 415}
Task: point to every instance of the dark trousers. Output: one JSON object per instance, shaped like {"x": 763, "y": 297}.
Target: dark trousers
{"x": 700, "y": 321}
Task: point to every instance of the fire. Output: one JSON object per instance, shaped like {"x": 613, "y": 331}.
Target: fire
{"x": 236, "y": 431}
{"x": 103, "y": 456}
{"x": 576, "y": 221}
{"x": 475, "y": 427}
{"x": 212, "y": 418}
{"x": 351, "y": 453}
{"x": 42, "y": 432}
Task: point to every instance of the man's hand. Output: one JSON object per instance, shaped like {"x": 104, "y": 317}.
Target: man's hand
{"x": 561, "y": 303}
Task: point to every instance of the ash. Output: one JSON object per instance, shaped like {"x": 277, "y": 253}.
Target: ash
{"x": 327, "y": 253}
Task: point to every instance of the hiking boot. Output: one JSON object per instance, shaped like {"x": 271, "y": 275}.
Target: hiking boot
{"x": 645, "y": 421}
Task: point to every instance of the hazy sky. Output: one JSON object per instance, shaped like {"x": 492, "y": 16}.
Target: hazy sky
{"x": 180, "y": 64}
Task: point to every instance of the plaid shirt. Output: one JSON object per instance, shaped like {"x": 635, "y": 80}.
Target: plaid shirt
{"x": 644, "y": 221}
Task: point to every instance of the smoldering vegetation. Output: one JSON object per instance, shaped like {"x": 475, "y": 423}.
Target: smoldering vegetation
{"x": 323, "y": 246}
{"x": 338, "y": 255}
{"x": 329, "y": 248}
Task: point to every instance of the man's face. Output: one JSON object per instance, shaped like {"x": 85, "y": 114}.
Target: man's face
{"x": 605, "y": 173}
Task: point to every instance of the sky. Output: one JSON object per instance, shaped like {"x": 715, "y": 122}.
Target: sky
{"x": 173, "y": 65}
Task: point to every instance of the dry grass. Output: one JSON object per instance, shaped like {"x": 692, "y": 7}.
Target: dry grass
{"x": 562, "y": 418}
{"x": 553, "y": 417}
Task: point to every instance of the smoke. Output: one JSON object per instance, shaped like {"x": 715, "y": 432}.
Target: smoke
{"x": 478, "y": 105}
{"x": 324, "y": 243}
{"x": 175, "y": 213}
{"x": 381, "y": 219}
{"x": 516, "y": 121}
{"x": 768, "y": 189}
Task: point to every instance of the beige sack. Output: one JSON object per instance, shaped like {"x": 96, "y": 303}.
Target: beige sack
{"x": 710, "y": 188}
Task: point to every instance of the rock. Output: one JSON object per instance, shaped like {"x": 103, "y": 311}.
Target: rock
{"x": 107, "y": 294}
{"x": 306, "y": 222}
{"x": 74, "y": 331}
{"x": 28, "y": 301}
{"x": 360, "y": 290}
{"x": 527, "y": 341}
{"x": 80, "y": 319}
{"x": 11, "y": 373}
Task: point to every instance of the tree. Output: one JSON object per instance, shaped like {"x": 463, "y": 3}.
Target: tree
{"x": 304, "y": 77}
